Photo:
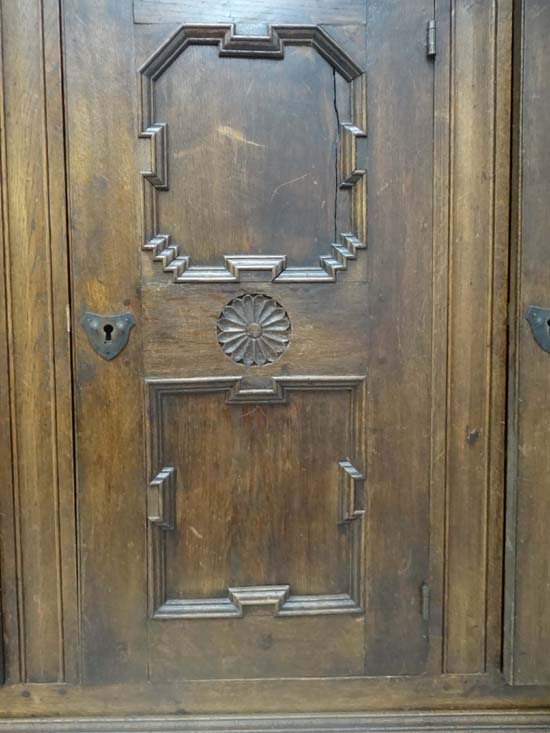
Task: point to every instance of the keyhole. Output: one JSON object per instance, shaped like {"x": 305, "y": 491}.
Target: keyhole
{"x": 108, "y": 331}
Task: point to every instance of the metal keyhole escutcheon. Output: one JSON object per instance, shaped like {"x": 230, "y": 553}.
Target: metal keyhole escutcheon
{"x": 539, "y": 320}
{"x": 109, "y": 334}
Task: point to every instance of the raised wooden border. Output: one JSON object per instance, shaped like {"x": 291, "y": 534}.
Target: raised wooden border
{"x": 472, "y": 159}
{"x": 161, "y": 500}
{"x": 37, "y": 499}
{"x": 529, "y": 722}
{"x": 351, "y": 153}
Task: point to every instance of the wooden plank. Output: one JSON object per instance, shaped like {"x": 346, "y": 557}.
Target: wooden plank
{"x": 440, "y": 289}
{"x": 229, "y": 11}
{"x": 499, "y": 337}
{"x": 480, "y": 693}
{"x": 8, "y": 574}
{"x": 400, "y": 87}
{"x": 527, "y": 612}
{"x": 55, "y": 121}
{"x": 38, "y": 344}
{"x": 436, "y": 722}
{"x": 105, "y": 236}
{"x": 477, "y": 312}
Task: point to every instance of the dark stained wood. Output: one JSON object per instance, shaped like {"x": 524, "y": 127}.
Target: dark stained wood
{"x": 104, "y": 258}
{"x": 280, "y": 163}
{"x": 280, "y": 167}
{"x": 220, "y": 11}
{"x": 177, "y": 319}
{"x": 319, "y": 533}
{"x": 103, "y": 622}
{"x": 39, "y": 607}
{"x": 257, "y": 521}
{"x": 189, "y": 321}
{"x": 259, "y": 539}
{"x": 499, "y": 335}
{"x": 246, "y": 696}
{"x": 398, "y": 320}
{"x": 440, "y": 304}
{"x": 527, "y": 630}
{"x": 479, "y": 144}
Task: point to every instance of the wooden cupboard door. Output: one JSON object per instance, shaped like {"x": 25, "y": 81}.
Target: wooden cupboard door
{"x": 254, "y": 467}
{"x": 527, "y": 613}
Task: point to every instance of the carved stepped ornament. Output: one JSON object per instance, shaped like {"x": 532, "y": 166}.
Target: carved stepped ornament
{"x": 351, "y": 153}
{"x": 253, "y": 330}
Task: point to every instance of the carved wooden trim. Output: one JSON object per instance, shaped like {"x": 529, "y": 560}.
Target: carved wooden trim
{"x": 232, "y": 385}
{"x": 352, "y": 501}
{"x": 276, "y": 600}
{"x": 39, "y": 638}
{"x": 232, "y": 44}
{"x": 160, "y": 516}
{"x": 273, "y": 597}
{"x": 160, "y": 499}
{"x": 399, "y": 722}
{"x": 255, "y": 390}
{"x": 351, "y": 155}
{"x": 158, "y": 174}
{"x": 351, "y": 496}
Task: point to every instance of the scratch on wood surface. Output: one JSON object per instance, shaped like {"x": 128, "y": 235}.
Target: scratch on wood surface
{"x": 287, "y": 183}
{"x": 196, "y": 532}
{"x": 237, "y": 136}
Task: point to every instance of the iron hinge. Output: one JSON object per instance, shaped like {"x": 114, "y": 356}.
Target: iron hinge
{"x": 431, "y": 39}
{"x": 425, "y": 593}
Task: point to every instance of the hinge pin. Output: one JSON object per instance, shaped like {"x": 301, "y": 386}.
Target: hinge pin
{"x": 431, "y": 39}
{"x": 425, "y": 591}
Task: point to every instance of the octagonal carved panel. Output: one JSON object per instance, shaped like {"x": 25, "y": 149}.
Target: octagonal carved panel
{"x": 302, "y": 227}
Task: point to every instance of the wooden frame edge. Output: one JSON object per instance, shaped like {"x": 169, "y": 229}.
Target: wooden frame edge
{"x": 406, "y": 722}
{"x": 47, "y": 259}
{"x": 509, "y": 600}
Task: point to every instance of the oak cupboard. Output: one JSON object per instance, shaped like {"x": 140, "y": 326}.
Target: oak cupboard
{"x": 273, "y": 419}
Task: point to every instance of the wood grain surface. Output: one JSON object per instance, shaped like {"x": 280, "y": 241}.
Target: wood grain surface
{"x": 189, "y": 531}
{"x": 527, "y": 630}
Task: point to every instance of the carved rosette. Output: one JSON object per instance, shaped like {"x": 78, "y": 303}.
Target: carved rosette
{"x": 253, "y": 330}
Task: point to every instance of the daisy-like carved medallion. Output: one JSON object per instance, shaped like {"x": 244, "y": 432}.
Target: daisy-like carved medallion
{"x": 253, "y": 330}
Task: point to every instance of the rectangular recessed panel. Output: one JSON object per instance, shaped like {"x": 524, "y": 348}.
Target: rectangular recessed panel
{"x": 248, "y": 476}
{"x": 256, "y": 498}
{"x": 256, "y": 525}
{"x": 270, "y": 127}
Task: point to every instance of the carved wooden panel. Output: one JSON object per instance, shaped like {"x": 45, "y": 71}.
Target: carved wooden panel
{"x": 192, "y": 522}
{"x": 327, "y": 88}
{"x": 253, "y": 329}
{"x": 439, "y": 175}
